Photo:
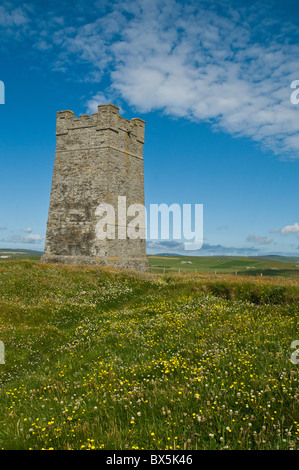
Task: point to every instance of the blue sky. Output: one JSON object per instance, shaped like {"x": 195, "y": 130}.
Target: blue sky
{"x": 212, "y": 81}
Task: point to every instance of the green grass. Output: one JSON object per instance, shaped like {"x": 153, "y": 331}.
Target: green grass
{"x": 96, "y": 358}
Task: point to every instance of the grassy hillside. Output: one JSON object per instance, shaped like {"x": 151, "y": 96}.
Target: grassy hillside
{"x": 99, "y": 359}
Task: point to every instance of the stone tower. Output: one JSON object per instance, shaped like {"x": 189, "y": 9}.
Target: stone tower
{"x": 98, "y": 158}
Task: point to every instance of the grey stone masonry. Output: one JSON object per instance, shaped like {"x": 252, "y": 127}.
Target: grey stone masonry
{"x": 98, "y": 158}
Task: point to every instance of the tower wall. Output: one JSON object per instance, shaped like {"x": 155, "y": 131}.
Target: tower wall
{"x": 98, "y": 158}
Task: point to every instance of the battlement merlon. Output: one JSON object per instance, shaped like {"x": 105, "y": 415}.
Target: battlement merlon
{"x": 62, "y": 124}
{"x": 109, "y": 118}
{"x": 106, "y": 118}
{"x": 139, "y": 125}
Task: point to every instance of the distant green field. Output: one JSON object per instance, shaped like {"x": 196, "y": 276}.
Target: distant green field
{"x": 255, "y": 266}
{"x": 8, "y": 254}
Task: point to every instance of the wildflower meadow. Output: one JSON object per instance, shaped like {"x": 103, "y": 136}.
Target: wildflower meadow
{"x": 97, "y": 358}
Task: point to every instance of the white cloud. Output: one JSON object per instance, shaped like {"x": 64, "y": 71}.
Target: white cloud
{"x": 191, "y": 61}
{"x": 99, "y": 98}
{"x": 11, "y": 17}
{"x": 260, "y": 240}
{"x": 33, "y": 238}
{"x": 28, "y": 230}
{"x": 211, "y": 71}
{"x": 204, "y": 61}
{"x": 288, "y": 229}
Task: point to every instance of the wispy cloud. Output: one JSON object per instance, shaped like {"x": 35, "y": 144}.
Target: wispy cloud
{"x": 194, "y": 62}
{"x": 15, "y": 24}
{"x": 12, "y": 17}
{"x": 99, "y": 98}
{"x": 176, "y": 247}
{"x": 166, "y": 244}
{"x": 259, "y": 240}
{"x": 28, "y": 239}
{"x": 203, "y": 61}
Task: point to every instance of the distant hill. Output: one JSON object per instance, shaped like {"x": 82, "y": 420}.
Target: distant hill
{"x": 19, "y": 253}
{"x": 166, "y": 254}
{"x": 282, "y": 259}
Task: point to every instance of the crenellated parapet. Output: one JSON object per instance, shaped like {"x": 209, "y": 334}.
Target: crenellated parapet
{"x": 106, "y": 125}
{"x": 107, "y": 118}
